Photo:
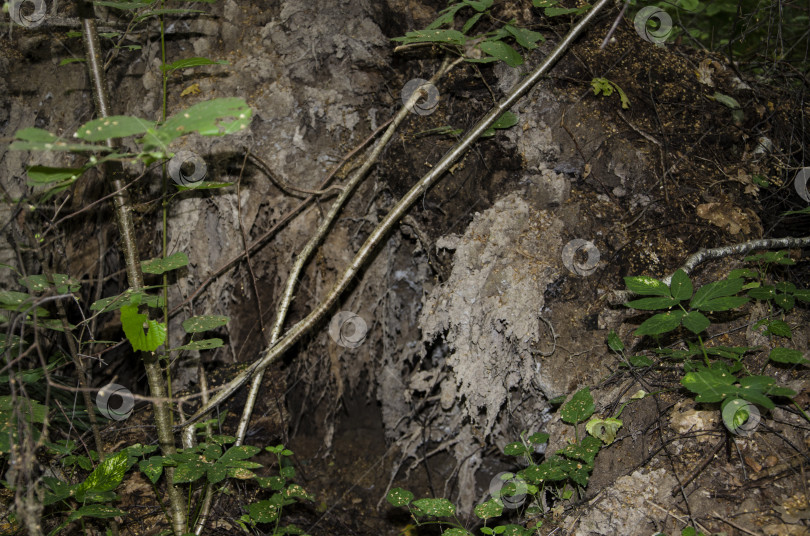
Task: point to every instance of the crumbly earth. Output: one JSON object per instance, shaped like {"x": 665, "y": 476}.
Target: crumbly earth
{"x": 475, "y": 314}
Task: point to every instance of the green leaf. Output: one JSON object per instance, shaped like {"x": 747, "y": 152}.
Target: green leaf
{"x": 506, "y": 120}
{"x": 709, "y": 385}
{"x": 550, "y": 470}
{"x": 158, "y": 12}
{"x": 471, "y": 22}
{"x": 191, "y": 62}
{"x": 802, "y": 295}
{"x": 708, "y": 297}
{"x": 640, "y": 361}
{"x": 604, "y": 429}
{"x": 660, "y": 323}
{"x": 515, "y": 449}
{"x": 456, "y": 532}
{"x": 725, "y": 100}
{"x": 765, "y": 292}
{"x": 242, "y": 452}
{"x": 525, "y": 38}
{"x": 203, "y": 185}
{"x": 14, "y": 301}
{"x": 681, "y": 285}
{"x": 162, "y": 265}
{"x": 785, "y": 301}
{"x": 452, "y": 37}
{"x": 433, "y": 507}
{"x": 264, "y": 511}
{"x": 217, "y": 473}
{"x": 646, "y": 286}
{"x": 779, "y": 328}
{"x": 614, "y": 342}
{"x": 118, "y": 126}
{"x": 787, "y": 355}
{"x": 586, "y": 450}
{"x": 653, "y": 304}
{"x": 44, "y": 175}
{"x": 152, "y": 468}
{"x": 125, "y": 5}
{"x": 205, "y": 344}
{"x": 105, "y": 477}
{"x": 539, "y": 438}
{"x": 190, "y": 471}
{"x": 399, "y": 497}
{"x": 199, "y": 324}
{"x": 557, "y": 11}
{"x": 208, "y": 118}
{"x": 695, "y": 322}
{"x": 489, "y": 509}
{"x": 36, "y": 139}
{"x": 579, "y": 408}
{"x": 100, "y": 511}
{"x": 133, "y": 324}
{"x": 501, "y": 51}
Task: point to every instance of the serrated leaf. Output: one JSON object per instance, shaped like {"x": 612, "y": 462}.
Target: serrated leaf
{"x": 550, "y": 470}
{"x": 695, "y": 322}
{"x": 660, "y": 323}
{"x": 501, "y": 51}
{"x": 787, "y": 355}
{"x": 199, "y": 324}
{"x": 765, "y": 292}
{"x": 802, "y": 295}
{"x": 710, "y": 294}
{"x": 681, "y": 285}
{"x": 489, "y": 509}
{"x": 515, "y": 449}
{"x": 646, "y": 286}
{"x": 579, "y": 408}
{"x": 162, "y": 265}
{"x": 399, "y": 497}
{"x": 433, "y": 507}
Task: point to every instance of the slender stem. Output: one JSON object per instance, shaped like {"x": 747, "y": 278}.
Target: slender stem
{"x": 366, "y": 252}
{"x": 162, "y": 413}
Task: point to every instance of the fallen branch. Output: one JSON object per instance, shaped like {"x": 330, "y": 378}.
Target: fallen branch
{"x": 366, "y": 251}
